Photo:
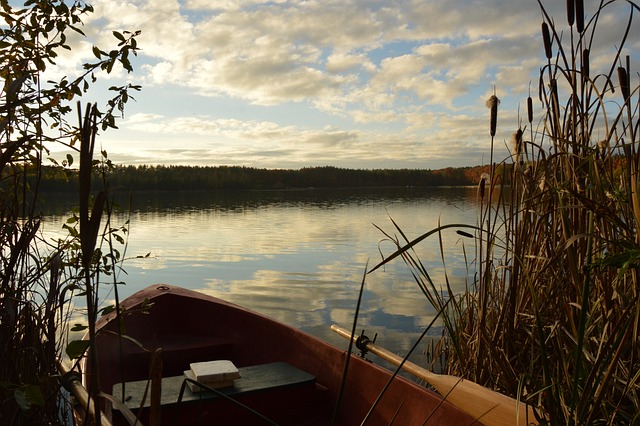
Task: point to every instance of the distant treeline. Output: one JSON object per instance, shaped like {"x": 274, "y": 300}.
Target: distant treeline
{"x": 173, "y": 178}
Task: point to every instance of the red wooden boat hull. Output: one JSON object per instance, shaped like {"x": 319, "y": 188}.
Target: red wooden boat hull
{"x": 193, "y": 327}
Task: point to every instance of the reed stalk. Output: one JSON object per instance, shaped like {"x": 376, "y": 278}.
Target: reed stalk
{"x": 552, "y": 318}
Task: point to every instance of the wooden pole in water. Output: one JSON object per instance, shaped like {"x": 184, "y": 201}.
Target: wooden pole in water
{"x": 488, "y": 406}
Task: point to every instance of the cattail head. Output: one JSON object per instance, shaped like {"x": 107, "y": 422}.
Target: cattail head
{"x": 530, "y": 109}
{"x": 541, "y": 87}
{"x": 585, "y": 64}
{"x": 492, "y": 104}
{"x": 546, "y": 39}
{"x": 570, "y": 12}
{"x": 580, "y": 15}
{"x": 484, "y": 179}
{"x": 516, "y": 146}
{"x": 623, "y": 78}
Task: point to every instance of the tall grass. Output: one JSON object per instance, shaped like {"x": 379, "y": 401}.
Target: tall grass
{"x": 553, "y": 315}
{"x": 40, "y": 280}
{"x": 39, "y": 277}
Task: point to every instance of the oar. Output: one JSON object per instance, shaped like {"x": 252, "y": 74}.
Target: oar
{"x": 489, "y": 407}
{"x": 71, "y": 382}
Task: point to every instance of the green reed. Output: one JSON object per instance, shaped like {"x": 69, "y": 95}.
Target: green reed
{"x": 552, "y": 316}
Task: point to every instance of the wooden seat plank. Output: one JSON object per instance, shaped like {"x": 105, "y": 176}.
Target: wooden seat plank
{"x": 255, "y": 378}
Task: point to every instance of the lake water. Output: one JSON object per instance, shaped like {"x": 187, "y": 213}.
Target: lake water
{"x": 300, "y": 256}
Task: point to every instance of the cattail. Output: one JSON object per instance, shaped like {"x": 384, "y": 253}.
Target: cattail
{"x": 530, "y": 109}
{"x": 580, "y": 15}
{"x": 585, "y": 64}
{"x": 464, "y": 234}
{"x": 516, "y": 146}
{"x": 541, "y": 90}
{"x": 484, "y": 178}
{"x": 492, "y": 104}
{"x": 570, "y": 14}
{"x": 546, "y": 38}
{"x": 623, "y": 77}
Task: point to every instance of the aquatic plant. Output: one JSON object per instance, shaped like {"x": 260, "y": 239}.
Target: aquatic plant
{"x": 552, "y": 314}
{"x": 39, "y": 277}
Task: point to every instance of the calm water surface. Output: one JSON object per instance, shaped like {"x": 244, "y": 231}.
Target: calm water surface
{"x": 300, "y": 256}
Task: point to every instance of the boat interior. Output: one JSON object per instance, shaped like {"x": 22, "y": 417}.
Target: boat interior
{"x": 286, "y": 377}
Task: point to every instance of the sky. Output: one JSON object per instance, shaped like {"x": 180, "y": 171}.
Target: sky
{"x": 347, "y": 83}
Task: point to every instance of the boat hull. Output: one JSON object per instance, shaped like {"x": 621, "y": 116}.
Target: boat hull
{"x": 192, "y": 327}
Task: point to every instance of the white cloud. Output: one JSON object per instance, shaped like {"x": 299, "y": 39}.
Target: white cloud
{"x": 409, "y": 74}
{"x": 270, "y": 53}
{"x": 142, "y": 118}
{"x": 341, "y": 62}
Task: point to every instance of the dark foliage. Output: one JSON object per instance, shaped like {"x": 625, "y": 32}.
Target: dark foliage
{"x": 173, "y": 178}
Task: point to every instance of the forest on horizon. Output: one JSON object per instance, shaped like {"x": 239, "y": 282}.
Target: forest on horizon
{"x": 173, "y": 178}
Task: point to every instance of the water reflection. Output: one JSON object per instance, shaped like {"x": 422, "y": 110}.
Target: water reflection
{"x": 300, "y": 256}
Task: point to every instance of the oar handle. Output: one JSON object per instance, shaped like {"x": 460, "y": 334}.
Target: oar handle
{"x": 490, "y": 407}
{"x": 394, "y": 359}
{"x": 71, "y": 382}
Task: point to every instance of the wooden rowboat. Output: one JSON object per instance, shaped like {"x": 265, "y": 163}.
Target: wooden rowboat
{"x": 288, "y": 376}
